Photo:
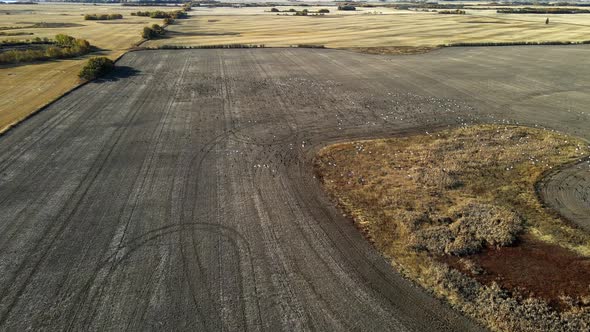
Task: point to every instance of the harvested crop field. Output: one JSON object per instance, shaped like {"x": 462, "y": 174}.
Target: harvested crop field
{"x": 26, "y": 88}
{"x": 388, "y": 27}
{"x": 181, "y": 194}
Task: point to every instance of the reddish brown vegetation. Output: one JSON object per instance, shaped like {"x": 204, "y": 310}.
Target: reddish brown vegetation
{"x": 534, "y": 268}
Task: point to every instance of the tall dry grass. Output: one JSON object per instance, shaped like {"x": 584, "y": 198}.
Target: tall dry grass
{"x": 453, "y": 193}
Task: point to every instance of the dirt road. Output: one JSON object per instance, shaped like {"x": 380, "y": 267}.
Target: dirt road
{"x": 178, "y": 194}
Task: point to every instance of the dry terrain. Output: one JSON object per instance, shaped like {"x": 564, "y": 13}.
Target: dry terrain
{"x": 26, "y": 88}
{"x": 179, "y": 193}
{"x": 467, "y": 197}
{"x": 338, "y": 29}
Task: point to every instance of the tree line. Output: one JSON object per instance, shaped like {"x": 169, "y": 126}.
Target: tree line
{"x": 304, "y": 12}
{"x": 177, "y": 14}
{"x": 453, "y": 12}
{"x": 155, "y": 31}
{"x": 62, "y": 46}
{"x": 102, "y": 17}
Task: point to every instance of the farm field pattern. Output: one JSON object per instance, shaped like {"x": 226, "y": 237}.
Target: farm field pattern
{"x": 182, "y": 196}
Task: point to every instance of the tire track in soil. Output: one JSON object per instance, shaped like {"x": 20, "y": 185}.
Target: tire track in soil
{"x": 192, "y": 235}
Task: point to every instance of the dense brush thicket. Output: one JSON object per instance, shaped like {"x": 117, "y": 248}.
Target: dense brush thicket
{"x": 467, "y": 230}
{"x": 152, "y": 32}
{"x": 96, "y": 67}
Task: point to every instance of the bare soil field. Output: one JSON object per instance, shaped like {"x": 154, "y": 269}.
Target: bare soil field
{"x": 181, "y": 195}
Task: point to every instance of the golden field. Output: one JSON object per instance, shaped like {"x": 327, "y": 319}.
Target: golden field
{"x": 26, "y": 88}
{"x": 364, "y": 28}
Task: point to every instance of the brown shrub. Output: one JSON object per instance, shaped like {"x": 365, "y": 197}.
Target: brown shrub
{"x": 473, "y": 226}
{"x": 494, "y": 225}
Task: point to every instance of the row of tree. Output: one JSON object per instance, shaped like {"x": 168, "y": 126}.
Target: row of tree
{"x": 177, "y": 14}
{"x": 63, "y": 46}
{"x": 304, "y": 12}
{"x": 454, "y": 12}
{"x": 102, "y": 17}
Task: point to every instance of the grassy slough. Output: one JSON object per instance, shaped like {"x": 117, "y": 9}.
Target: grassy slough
{"x": 396, "y": 187}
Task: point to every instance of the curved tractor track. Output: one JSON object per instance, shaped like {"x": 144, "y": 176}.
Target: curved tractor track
{"x": 568, "y": 191}
{"x": 182, "y": 197}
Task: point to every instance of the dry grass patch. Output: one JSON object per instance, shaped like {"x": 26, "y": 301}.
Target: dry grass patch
{"x": 26, "y": 88}
{"x": 342, "y": 29}
{"x": 462, "y": 194}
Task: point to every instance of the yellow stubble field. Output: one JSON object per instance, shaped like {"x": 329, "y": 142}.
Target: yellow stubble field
{"x": 369, "y": 27}
{"x": 26, "y": 88}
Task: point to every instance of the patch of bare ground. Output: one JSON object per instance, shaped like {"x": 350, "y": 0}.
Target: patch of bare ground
{"x": 456, "y": 211}
{"x": 532, "y": 268}
{"x": 393, "y": 50}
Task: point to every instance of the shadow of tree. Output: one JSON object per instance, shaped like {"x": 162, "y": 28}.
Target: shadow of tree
{"x": 120, "y": 72}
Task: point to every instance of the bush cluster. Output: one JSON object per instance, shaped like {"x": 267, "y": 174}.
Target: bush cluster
{"x": 304, "y": 12}
{"x": 96, "y": 67}
{"x": 455, "y": 12}
{"x": 162, "y": 14}
{"x": 467, "y": 230}
{"x": 63, "y": 46}
{"x": 346, "y": 7}
{"x": 152, "y": 32}
{"x": 102, "y": 17}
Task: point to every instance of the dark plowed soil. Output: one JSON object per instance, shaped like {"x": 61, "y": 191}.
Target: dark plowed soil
{"x": 182, "y": 197}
